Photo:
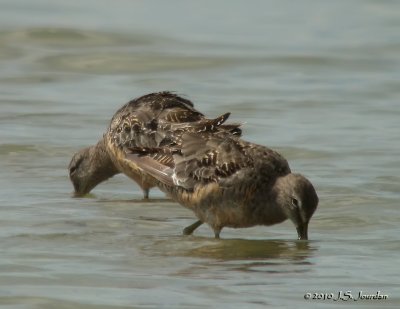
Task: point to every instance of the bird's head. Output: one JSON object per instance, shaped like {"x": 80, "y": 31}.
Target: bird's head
{"x": 298, "y": 200}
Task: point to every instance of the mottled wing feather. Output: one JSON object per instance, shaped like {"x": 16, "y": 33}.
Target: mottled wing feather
{"x": 170, "y": 133}
{"x": 163, "y": 156}
{"x": 179, "y": 114}
{"x": 136, "y": 123}
{"x": 209, "y": 157}
{"x": 160, "y": 119}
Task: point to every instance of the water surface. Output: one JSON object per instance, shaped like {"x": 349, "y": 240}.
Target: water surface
{"x": 318, "y": 81}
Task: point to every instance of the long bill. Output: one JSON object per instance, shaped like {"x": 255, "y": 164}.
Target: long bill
{"x": 302, "y": 231}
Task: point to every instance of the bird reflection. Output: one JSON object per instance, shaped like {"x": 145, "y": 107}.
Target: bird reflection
{"x": 240, "y": 254}
{"x": 249, "y": 249}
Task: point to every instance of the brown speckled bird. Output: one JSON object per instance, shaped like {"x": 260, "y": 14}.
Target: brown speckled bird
{"x": 153, "y": 120}
{"x": 228, "y": 182}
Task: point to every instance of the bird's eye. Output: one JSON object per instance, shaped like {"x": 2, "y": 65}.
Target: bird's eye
{"x": 72, "y": 170}
{"x": 295, "y": 202}
{"x": 75, "y": 165}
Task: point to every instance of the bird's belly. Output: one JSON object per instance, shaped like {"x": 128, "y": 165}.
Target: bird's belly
{"x": 214, "y": 206}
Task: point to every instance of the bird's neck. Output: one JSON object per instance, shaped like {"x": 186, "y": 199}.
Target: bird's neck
{"x": 271, "y": 211}
{"x": 102, "y": 164}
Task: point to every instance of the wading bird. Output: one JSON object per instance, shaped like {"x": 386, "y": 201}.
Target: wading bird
{"x": 228, "y": 182}
{"x": 153, "y": 120}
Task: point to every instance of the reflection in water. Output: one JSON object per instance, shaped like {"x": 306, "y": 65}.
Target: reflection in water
{"x": 223, "y": 258}
{"x": 270, "y": 252}
{"x": 245, "y": 249}
{"x": 133, "y": 201}
{"x": 69, "y": 37}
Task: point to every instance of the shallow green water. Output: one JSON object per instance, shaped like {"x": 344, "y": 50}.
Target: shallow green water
{"x": 318, "y": 81}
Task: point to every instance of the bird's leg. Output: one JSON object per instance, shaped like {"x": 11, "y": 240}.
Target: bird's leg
{"x": 217, "y": 231}
{"x": 146, "y": 193}
{"x": 189, "y": 229}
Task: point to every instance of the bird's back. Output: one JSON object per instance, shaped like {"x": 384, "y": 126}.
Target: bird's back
{"x": 136, "y": 123}
{"x": 157, "y": 120}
